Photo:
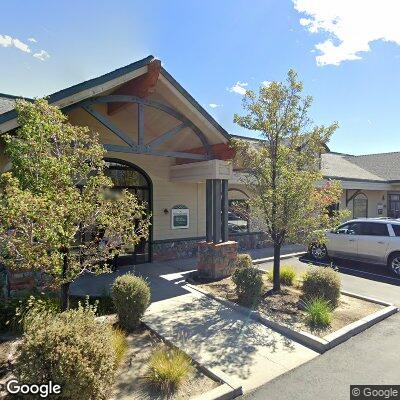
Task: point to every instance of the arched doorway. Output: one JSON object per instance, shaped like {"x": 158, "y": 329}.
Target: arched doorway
{"x": 126, "y": 175}
{"x": 360, "y": 206}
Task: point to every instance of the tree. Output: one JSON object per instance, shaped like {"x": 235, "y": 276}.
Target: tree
{"x": 282, "y": 171}
{"x": 58, "y": 212}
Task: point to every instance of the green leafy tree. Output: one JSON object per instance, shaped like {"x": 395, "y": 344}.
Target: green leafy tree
{"x": 58, "y": 212}
{"x": 282, "y": 171}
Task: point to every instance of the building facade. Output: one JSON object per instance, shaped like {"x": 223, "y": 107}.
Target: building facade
{"x": 163, "y": 146}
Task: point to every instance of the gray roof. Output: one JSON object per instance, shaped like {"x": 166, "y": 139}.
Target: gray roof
{"x": 384, "y": 167}
{"x": 7, "y": 102}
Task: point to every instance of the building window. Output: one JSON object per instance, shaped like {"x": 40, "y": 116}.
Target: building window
{"x": 360, "y": 206}
{"x": 238, "y": 216}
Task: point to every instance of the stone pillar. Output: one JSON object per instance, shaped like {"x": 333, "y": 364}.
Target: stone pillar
{"x": 216, "y": 256}
{"x": 216, "y": 260}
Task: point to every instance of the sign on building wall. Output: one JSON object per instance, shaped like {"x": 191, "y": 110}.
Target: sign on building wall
{"x": 179, "y": 217}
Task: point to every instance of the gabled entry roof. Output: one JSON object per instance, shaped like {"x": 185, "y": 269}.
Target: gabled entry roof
{"x": 91, "y": 87}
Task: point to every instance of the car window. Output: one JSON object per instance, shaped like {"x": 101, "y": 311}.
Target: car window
{"x": 352, "y": 228}
{"x": 396, "y": 229}
{"x": 374, "y": 229}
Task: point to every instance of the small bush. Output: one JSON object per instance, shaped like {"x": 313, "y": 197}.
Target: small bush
{"x": 322, "y": 282}
{"x": 72, "y": 349}
{"x": 249, "y": 284}
{"x": 287, "y": 275}
{"x": 319, "y": 312}
{"x": 120, "y": 344}
{"x": 244, "y": 261}
{"x": 168, "y": 368}
{"x": 131, "y": 297}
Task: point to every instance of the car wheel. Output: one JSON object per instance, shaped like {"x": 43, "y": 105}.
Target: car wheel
{"x": 394, "y": 264}
{"x": 318, "y": 252}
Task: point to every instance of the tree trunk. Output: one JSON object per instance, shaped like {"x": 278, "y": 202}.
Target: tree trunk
{"x": 277, "y": 267}
{"x": 65, "y": 286}
{"x": 65, "y": 296}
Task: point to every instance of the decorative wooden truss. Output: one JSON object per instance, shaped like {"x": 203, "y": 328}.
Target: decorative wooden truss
{"x": 139, "y": 146}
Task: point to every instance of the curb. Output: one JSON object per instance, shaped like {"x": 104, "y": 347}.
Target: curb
{"x": 229, "y": 388}
{"x": 282, "y": 257}
{"x": 321, "y": 345}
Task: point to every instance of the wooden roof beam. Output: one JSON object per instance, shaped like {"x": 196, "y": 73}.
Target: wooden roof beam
{"x": 141, "y": 86}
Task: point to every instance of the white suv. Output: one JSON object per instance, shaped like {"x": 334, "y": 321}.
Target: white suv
{"x": 372, "y": 240}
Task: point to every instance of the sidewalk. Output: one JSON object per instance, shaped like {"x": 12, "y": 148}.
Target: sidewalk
{"x": 221, "y": 338}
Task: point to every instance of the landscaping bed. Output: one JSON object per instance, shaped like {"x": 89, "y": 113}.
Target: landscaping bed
{"x": 131, "y": 383}
{"x": 285, "y": 308}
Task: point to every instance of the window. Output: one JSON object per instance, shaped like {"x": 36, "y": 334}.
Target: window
{"x": 238, "y": 216}
{"x": 360, "y": 206}
{"x": 374, "y": 229}
{"x": 353, "y": 228}
{"x": 396, "y": 229}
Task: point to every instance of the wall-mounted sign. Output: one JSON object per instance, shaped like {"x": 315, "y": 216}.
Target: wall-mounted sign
{"x": 179, "y": 217}
{"x": 380, "y": 208}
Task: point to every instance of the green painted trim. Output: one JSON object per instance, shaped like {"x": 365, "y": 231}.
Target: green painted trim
{"x": 57, "y": 96}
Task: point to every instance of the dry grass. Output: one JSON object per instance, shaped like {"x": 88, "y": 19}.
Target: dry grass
{"x": 120, "y": 344}
{"x": 168, "y": 369}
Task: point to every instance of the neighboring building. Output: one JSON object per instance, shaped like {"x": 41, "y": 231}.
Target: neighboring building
{"x": 371, "y": 182}
{"x": 163, "y": 146}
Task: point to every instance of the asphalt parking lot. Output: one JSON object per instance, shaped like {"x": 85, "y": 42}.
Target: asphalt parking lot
{"x": 365, "y": 279}
{"x": 369, "y": 358}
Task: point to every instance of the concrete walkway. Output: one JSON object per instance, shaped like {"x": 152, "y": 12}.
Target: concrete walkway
{"x": 224, "y": 339}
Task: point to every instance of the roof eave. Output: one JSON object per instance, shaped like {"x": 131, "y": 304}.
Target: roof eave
{"x": 61, "y": 95}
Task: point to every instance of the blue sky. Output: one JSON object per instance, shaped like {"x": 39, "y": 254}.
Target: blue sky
{"x": 348, "y": 56}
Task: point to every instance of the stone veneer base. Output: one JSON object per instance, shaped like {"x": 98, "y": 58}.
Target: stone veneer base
{"x": 216, "y": 260}
{"x": 164, "y": 250}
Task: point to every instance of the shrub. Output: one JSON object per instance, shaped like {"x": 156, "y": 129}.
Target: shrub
{"x": 249, "y": 285}
{"x": 120, "y": 344}
{"x": 244, "y": 261}
{"x": 319, "y": 312}
{"x": 287, "y": 275}
{"x": 322, "y": 282}
{"x": 168, "y": 368}
{"x": 72, "y": 349}
{"x": 14, "y": 311}
{"x": 131, "y": 297}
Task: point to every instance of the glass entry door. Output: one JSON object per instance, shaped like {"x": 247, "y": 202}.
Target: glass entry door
{"x": 127, "y": 176}
{"x": 394, "y": 205}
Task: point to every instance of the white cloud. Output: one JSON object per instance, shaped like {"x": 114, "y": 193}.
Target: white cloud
{"x": 32, "y": 39}
{"x": 214, "y": 105}
{"x": 42, "y": 55}
{"x": 266, "y": 83}
{"x": 351, "y": 25}
{"x": 8, "y": 41}
{"x": 239, "y": 88}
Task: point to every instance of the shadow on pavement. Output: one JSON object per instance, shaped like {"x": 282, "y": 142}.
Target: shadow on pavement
{"x": 378, "y": 273}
